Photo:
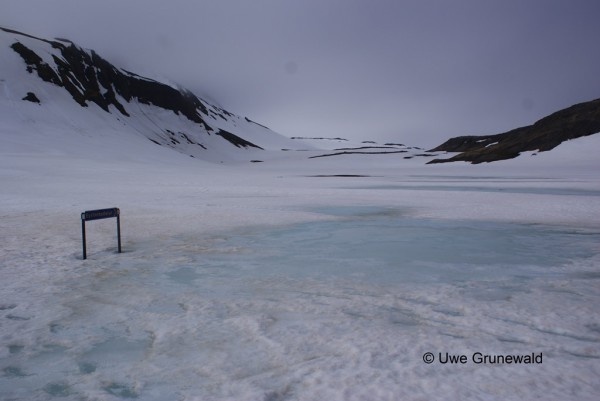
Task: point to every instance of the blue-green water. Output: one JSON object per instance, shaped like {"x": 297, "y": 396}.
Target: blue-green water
{"x": 383, "y": 246}
{"x": 337, "y": 309}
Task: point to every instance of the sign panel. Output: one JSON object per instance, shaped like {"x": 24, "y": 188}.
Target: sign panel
{"x": 100, "y": 214}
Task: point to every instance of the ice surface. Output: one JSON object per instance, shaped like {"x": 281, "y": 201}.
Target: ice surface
{"x": 336, "y": 309}
{"x": 266, "y": 282}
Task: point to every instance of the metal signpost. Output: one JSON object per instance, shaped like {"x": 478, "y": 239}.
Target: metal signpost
{"x": 97, "y": 215}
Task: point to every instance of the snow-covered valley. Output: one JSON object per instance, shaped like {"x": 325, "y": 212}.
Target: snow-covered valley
{"x": 295, "y": 278}
{"x": 309, "y": 269}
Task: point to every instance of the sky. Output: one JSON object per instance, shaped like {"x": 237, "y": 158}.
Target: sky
{"x": 411, "y": 71}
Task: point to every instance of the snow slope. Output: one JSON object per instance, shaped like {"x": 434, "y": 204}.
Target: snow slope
{"x": 236, "y": 283}
{"x": 205, "y": 138}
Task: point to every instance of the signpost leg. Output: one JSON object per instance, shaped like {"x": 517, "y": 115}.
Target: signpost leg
{"x": 119, "y": 230}
{"x": 83, "y": 238}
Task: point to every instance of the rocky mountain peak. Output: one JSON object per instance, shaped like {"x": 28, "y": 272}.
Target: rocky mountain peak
{"x": 90, "y": 79}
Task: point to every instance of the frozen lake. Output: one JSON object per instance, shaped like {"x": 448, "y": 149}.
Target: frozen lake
{"x": 339, "y": 309}
{"x": 277, "y": 274}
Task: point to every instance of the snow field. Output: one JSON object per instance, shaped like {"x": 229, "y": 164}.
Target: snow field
{"x": 244, "y": 281}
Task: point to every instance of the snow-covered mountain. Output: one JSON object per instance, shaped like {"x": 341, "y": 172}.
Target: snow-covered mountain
{"x": 59, "y": 97}
{"x": 573, "y": 122}
{"x": 56, "y": 85}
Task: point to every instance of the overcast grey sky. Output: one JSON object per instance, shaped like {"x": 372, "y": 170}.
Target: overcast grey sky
{"x": 411, "y": 71}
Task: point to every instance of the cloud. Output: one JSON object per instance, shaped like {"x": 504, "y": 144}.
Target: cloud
{"x": 413, "y": 71}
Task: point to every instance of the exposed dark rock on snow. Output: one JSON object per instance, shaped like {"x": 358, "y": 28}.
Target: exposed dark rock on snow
{"x": 90, "y": 79}
{"x": 31, "y": 97}
{"x": 254, "y": 122}
{"x": 328, "y": 139}
{"x": 367, "y": 147}
{"x": 236, "y": 140}
{"x": 358, "y": 153}
{"x": 338, "y": 176}
{"x": 573, "y": 122}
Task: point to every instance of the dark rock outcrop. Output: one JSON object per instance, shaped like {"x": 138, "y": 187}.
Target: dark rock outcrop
{"x": 236, "y": 140}
{"x": 31, "y": 97}
{"x": 89, "y": 78}
{"x": 573, "y": 122}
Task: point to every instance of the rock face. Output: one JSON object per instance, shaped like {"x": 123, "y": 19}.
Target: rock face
{"x": 573, "y": 122}
{"x": 169, "y": 116}
{"x": 90, "y": 78}
{"x": 31, "y": 97}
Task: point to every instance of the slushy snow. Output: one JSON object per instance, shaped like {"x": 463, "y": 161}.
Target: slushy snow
{"x": 283, "y": 280}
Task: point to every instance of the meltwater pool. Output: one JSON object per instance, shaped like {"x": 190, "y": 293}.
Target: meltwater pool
{"x": 340, "y": 309}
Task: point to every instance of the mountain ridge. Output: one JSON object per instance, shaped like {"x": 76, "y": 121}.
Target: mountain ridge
{"x": 196, "y": 127}
{"x": 174, "y": 117}
{"x": 578, "y": 120}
